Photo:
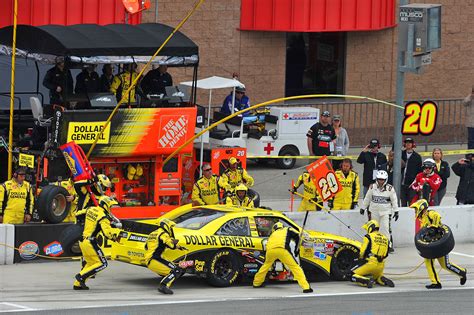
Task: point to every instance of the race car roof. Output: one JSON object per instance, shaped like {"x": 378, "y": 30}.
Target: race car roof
{"x": 87, "y": 40}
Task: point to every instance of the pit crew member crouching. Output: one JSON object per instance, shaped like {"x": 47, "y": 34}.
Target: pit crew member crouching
{"x": 97, "y": 220}
{"x": 431, "y": 218}
{"x": 206, "y": 189}
{"x": 373, "y": 252}
{"x": 278, "y": 248}
{"x": 240, "y": 198}
{"x": 234, "y": 176}
{"x": 157, "y": 242}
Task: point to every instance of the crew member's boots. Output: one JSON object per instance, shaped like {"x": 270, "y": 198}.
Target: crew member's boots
{"x": 80, "y": 284}
{"x": 164, "y": 289}
{"x": 463, "y": 277}
{"x": 434, "y": 286}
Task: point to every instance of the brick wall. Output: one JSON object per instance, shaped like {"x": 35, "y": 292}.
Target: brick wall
{"x": 371, "y": 60}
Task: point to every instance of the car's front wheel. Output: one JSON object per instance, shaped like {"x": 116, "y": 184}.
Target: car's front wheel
{"x": 342, "y": 262}
{"x": 224, "y": 268}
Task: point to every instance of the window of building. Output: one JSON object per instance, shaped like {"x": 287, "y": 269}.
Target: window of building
{"x": 315, "y": 63}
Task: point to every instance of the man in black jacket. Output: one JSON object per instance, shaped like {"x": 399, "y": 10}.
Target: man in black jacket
{"x": 373, "y": 161}
{"x": 464, "y": 168}
{"x": 412, "y": 167}
{"x": 156, "y": 81}
{"x": 58, "y": 81}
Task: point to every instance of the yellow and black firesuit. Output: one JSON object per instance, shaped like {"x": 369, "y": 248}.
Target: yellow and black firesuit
{"x": 16, "y": 199}
{"x": 122, "y": 82}
{"x": 310, "y": 193}
{"x": 240, "y": 198}
{"x": 97, "y": 220}
{"x": 206, "y": 191}
{"x": 373, "y": 252}
{"x": 278, "y": 248}
{"x": 69, "y": 186}
{"x": 349, "y": 196}
{"x": 431, "y": 218}
{"x": 84, "y": 199}
{"x": 234, "y": 176}
{"x": 159, "y": 240}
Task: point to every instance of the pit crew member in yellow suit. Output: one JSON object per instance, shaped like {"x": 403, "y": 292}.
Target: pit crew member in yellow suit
{"x": 373, "y": 252}
{"x": 84, "y": 199}
{"x": 310, "y": 193}
{"x": 97, "y": 220}
{"x": 234, "y": 176}
{"x": 16, "y": 199}
{"x": 123, "y": 81}
{"x": 159, "y": 240}
{"x": 240, "y": 198}
{"x": 349, "y": 196}
{"x": 206, "y": 189}
{"x": 71, "y": 198}
{"x": 278, "y": 248}
{"x": 431, "y": 218}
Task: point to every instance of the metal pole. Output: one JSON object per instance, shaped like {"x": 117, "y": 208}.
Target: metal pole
{"x": 156, "y": 11}
{"x": 12, "y": 91}
{"x": 400, "y": 91}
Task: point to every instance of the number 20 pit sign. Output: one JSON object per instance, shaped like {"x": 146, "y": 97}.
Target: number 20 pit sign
{"x": 420, "y": 119}
{"x": 324, "y": 178}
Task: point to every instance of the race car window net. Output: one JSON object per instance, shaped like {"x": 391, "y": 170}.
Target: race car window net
{"x": 235, "y": 227}
{"x": 265, "y": 225}
{"x": 197, "y": 218}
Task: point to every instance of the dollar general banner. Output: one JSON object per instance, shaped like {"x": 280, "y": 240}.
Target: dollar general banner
{"x": 132, "y": 132}
{"x": 86, "y": 132}
{"x": 26, "y": 160}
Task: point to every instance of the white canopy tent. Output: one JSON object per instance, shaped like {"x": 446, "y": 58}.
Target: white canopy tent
{"x": 213, "y": 83}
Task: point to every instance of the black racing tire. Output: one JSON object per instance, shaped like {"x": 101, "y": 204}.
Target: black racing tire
{"x": 52, "y": 204}
{"x": 287, "y": 163}
{"x": 70, "y": 238}
{"x": 224, "y": 268}
{"x": 343, "y": 260}
{"x": 434, "y": 242}
{"x": 255, "y": 196}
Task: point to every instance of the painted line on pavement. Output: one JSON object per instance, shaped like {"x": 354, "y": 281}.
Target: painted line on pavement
{"x": 21, "y": 308}
{"x": 301, "y": 295}
{"x": 461, "y": 254}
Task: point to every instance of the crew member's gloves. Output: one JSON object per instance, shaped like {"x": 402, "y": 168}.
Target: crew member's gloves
{"x": 353, "y": 205}
{"x": 362, "y": 211}
{"x": 294, "y": 190}
{"x": 331, "y": 203}
{"x": 395, "y": 216}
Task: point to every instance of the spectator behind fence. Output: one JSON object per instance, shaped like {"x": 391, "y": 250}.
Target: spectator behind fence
{"x": 426, "y": 183}
{"x": 106, "y": 78}
{"x": 412, "y": 167}
{"x": 469, "y": 103}
{"x": 341, "y": 147}
{"x": 373, "y": 161}
{"x": 58, "y": 81}
{"x": 464, "y": 168}
{"x": 320, "y": 135}
{"x": 442, "y": 169}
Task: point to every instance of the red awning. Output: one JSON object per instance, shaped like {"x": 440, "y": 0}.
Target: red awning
{"x": 66, "y": 12}
{"x": 317, "y": 15}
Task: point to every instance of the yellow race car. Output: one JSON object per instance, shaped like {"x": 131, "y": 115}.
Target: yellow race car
{"x": 228, "y": 243}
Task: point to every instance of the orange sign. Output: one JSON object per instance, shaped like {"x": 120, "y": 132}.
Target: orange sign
{"x": 324, "y": 178}
{"x": 420, "y": 119}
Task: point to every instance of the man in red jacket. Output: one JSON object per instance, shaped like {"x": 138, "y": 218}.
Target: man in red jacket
{"x": 427, "y": 182}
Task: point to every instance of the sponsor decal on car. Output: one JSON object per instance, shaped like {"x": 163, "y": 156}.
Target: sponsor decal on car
{"x": 135, "y": 254}
{"x": 186, "y": 264}
{"x": 137, "y": 238}
{"x": 53, "y": 249}
{"x": 234, "y": 241}
{"x": 319, "y": 255}
{"x": 250, "y": 265}
{"x": 28, "y": 250}
{"x": 199, "y": 265}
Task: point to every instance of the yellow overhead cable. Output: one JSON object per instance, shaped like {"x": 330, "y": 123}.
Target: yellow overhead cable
{"x": 282, "y": 99}
{"x": 135, "y": 81}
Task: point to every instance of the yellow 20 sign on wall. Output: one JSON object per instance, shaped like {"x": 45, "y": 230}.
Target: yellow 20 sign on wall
{"x": 420, "y": 119}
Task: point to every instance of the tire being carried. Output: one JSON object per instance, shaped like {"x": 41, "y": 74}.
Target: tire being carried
{"x": 52, "y": 204}
{"x": 70, "y": 238}
{"x": 224, "y": 268}
{"x": 434, "y": 242}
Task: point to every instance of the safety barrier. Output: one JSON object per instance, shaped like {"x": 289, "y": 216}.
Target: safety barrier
{"x": 7, "y": 236}
{"x": 458, "y": 218}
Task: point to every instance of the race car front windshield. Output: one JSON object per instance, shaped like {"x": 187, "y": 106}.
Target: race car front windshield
{"x": 197, "y": 218}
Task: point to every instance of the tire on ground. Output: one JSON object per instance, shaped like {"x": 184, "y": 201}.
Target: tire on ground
{"x": 70, "y": 238}
{"x": 223, "y": 269}
{"x": 434, "y": 242}
{"x": 52, "y": 204}
{"x": 287, "y": 163}
{"x": 342, "y": 261}
{"x": 255, "y": 196}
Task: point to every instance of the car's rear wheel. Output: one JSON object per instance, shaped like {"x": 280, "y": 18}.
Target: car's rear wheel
{"x": 224, "y": 269}
{"x": 342, "y": 262}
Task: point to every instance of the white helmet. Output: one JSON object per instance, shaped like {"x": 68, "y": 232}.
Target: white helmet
{"x": 382, "y": 175}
